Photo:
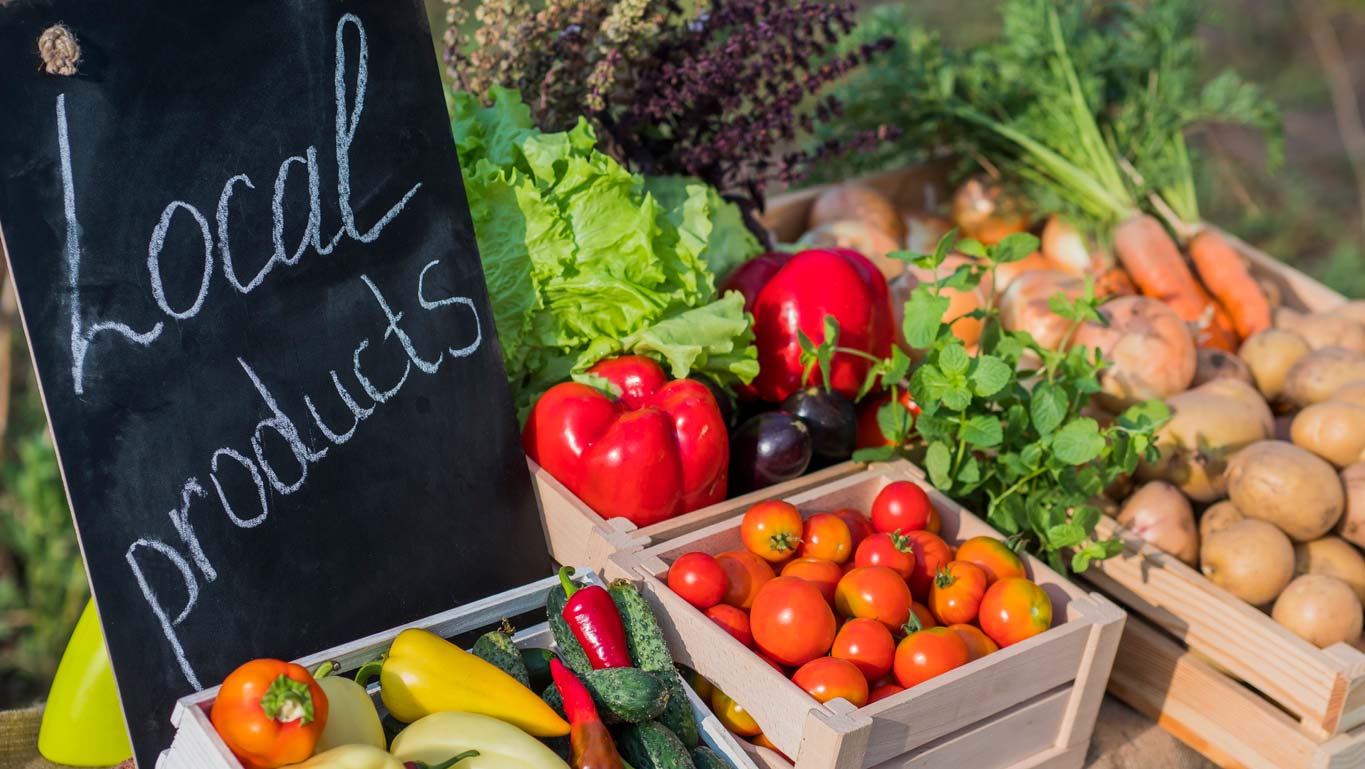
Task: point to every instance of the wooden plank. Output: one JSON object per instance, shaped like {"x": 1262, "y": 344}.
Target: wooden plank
{"x": 1021, "y": 737}
{"x": 574, "y": 532}
{"x": 1093, "y": 673}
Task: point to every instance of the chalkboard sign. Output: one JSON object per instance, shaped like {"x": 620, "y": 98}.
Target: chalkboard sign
{"x": 249, "y": 279}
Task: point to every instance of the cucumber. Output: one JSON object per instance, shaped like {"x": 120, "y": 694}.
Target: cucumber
{"x": 651, "y": 745}
{"x": 537, "y": 662}
{"x": 649, "y": 650}
{"x": 706, "y": 758}
{"x": 622, "y": 695}
{"x": 569, "y": 650}
{"x": 496, "y": 647}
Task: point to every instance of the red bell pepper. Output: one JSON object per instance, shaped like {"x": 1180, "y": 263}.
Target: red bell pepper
{"x": 657, "y": 451}
{"x": 793, "y": 294}
{"x": 590, "y": 744}
{"x": 595, "y": 622}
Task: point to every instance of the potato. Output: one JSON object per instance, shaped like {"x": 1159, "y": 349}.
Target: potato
{"x": 1333, "y": 430}
{"x": 1351, "y": 527}
{"x": 1319, "y": 609}
{"x": 1333, "y": 557}
{"x": 861, "y": 236}
{"x": 1352, "y": 310}
{"x": 1323, "y": 329}
{"x": 1288, "y": 486}
{"x": 1007, "y": 274}
{"x": 1023, "y": 307}
{"x": 1314, "y": 377}
{"x": 861, "y": 203}
{"x": 1211, "y": 364}
{"x": 960, "y": 302}
{"x": 1251, "y": 559}
{"x": 1269, "y": 354}
{"x": 1351, "y": 392}
{"x": 924, "y": 231}
{"x": 1219, "y": 516}
{"x": 1161, "y": 515}
{"x": 1208, "y": 425}
{"x": 1148, "y": 347}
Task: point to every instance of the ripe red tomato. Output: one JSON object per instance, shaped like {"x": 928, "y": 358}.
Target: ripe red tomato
{"x": 935, "y": 524}
{"x": 901, "y": 505}
{"x": 791, "y": 621}
{"x": 825, "y": 575}
{"x": 978, "y": 643}
{"x": 931, "y": 552}
{"x": 745, "y": 573}
{"x": 928, "y": 653}
{"x": 734, "y": 621}
{"x": 859, "y": 525}
{"x": 826, "y": 536}
{"x": 870, "y": 433}
{"x": 874, "y": 592}
{"x": 890, "y": 550}
{"x": 956, "y": 593}
{"x": 1015, "y": 609}
{"x": 867, "y": 644}
{"x": 771, "y": 530}
{"x": 883, "y": 691}
{"x": 732, "y": 716}
{"x": 698, "y": 579}
{"x": 920, "y": 618}
{"x": 993, "y": 556}
{"x": 829, "y": 678}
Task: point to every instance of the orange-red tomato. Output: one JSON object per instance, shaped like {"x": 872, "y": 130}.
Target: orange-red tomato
{"x": 893, "y": 551}
{"x": 825, "y": 575}
{"x": 1015, "y": 609}
{"x": 883, "y": 691}
{"x": 978, "y": 643}
{"x": 955, "y": 596}
{"x": 870, "y": 433}
{"x": 772, "y": 663}
{"x": 791, "y": 621}
{"x": 874, "y": 592}
{"x": 928, "y": 653}
{"x": 931, "y": 552}
{"x": 859, "y": 525}
{"x": 732, "y": 716}
{"x": 826, "y": 536}
{"x": 901, "y": 505}
{"x": 698, "y": 579}
{"x": 993, "y": 556}
{"x": 745, "y": 573}
{"x": 830, "y": 678}
{"x": 867, "y": 644}
{"x": 771, "y": 530}
{"x": 935, "y": 524}
{"x": 920, "y": 618}
{"x": 735, "y": 621}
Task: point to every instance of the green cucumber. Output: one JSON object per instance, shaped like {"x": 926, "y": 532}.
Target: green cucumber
{"x": 622, "y": 695}
{"x": 496, "y": 647}
{"x": 706, "y": 758}
{"x": 649, "y": 650}
{"x": 651, "y": 745}
{"x": 537, "y": 662}
{"x": 569, "y": 650}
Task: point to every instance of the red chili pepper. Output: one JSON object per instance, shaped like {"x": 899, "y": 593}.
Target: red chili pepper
{"x": 590, "y": 743}
{"x": 593, "y": 618}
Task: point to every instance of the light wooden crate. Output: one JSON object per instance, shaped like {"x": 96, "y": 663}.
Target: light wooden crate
{"x": 1030, "y": 705}
{"x": 196, "y": 744}
{"x": 1216, "y": 672}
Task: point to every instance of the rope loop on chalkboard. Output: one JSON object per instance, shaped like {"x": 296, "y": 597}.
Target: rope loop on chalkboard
{"x": 59, "y": 50}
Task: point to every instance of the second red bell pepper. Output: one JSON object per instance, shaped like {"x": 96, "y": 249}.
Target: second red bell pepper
{"x": 595, "y": 622}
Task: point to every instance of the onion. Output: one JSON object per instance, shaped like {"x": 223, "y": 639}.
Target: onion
{"x": 860, "y": 236}
{"x": 1023, "y": 307}
{"x": 859, "y": 202}
{"x": 983, "y": 213}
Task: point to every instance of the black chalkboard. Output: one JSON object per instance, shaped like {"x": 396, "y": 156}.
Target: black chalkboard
{"x": 249, "y": 279}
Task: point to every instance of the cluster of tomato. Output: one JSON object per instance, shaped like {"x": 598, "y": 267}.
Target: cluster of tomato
{"x": 861, "y": 608}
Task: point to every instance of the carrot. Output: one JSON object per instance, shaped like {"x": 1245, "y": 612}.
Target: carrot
{"x": 1227, "y": 276}
{"x": 1157, "y": 268}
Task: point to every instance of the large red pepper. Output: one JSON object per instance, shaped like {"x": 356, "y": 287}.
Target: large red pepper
{"x": 789, "y": 294}
{"x": 595, "y": 622}
{"x": 657, "y": 451}
{"x": 590, "y": 745}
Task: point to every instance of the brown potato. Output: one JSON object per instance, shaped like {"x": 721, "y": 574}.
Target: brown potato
{"x": 1323, "y": 329}
{"x": 1208, "y": 425}
{"x": 1352, "y": 310}
{"x": 1219, "y": 516}
{"x": 1288, "y": 486}
{"x": 1351, "y": 527}
{"x": 1314, "y": 377}
{"x": 1023, "y": 307}
{"x": 859, "y": 202}
{"x": 1161, "y": 515}
{"x": 1319, "y": 609}
{"x": 924, "y": 231}
{"x": 1351, "y": 392}
{"x": 1269, "y": 354}
{"x": 1333, "y": 430}
{"x": 861, "y": 236}
{"x": 1333, "y": 557}
{"x": 1251, "y": 559}
{"x": 1211, "y": 364}
{"x": 1149, "y": 349}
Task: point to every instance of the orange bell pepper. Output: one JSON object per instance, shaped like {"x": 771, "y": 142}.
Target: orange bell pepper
{"x": 270, "y": 713}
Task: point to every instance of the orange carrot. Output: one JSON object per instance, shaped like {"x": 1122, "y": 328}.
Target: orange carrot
{"x": 1227, "y": 277}
{"x": 1155, "y": 264}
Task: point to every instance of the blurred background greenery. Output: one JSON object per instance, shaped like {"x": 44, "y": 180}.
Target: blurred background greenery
{"x": 1308, "y": 54}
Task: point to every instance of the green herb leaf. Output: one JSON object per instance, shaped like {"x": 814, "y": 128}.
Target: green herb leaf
{"x": 1078, "y": 442}
{"x": 982, "y": 431}
{"x": 1047, "y": 407}
{"x": 937, "y": 462}
{"x": 953, "y": 360}
{"x": 990, "y": 376}
{"x": 1014, "y": 247}
{"x": 877, "y": 454}
{"x": 923, "y": 316}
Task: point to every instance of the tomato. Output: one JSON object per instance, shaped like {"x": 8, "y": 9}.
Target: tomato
{"x": 1015, "y": 609}
{"x": 867, "y": 644}
{"x": 745, "y": 573}
{"x": 920, "y": 618}
{"x": 699, "y": 684}
{"x": 931, "y": 552}
{"x": 901, "y": 505}
{"x": 956, "y": 593}
{"x": 762, "y": 741}
{"x": 698, "y": 579}
{"x": 734, "y": 621}
{"x": 859, "y": 525}
{"x": 791, "y": 621}
{"x": 993, "y": 556}
{"x": 772, "y": 663}
{"x": 830, "y": 678}
{"x": 978, "y": 643}
{"x": 874, "y": 592}
{"x": 771, "y": 530}
{"x": 825, "y": 575}
{"x": 935, "y": 524}
{"x": 928, "y": 653}
{"x": 732, "y": 716}
{"x": 826, "y": 536}
{"x": 870, "y": 435}
{"x": 890, "y": 550}
{"x": 883, "y": 691}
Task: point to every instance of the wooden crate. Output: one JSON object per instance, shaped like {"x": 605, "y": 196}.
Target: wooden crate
{"x": 197, "y": 745}
{"x": 1030, "y": 705}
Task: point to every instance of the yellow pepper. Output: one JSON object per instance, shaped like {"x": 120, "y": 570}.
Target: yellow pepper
{"x": 499, "y": 744}
{"x": 425, "y": 674}
{"x": 370, "y": 757}
{"x": 351, "y": 716}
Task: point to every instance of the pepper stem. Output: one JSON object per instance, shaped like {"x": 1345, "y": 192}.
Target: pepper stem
{"x": 370, "y": 670}
{"x": 288, "y": 700}
{"x": 566, "y": 579}
{"x": 325, "y": 669}
{"x": 453, "y": 760}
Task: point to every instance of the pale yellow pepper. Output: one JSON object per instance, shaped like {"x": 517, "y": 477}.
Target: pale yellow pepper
{"x": 370, "y": 757}
{"x": 500, "y": 745}
{"x": 351, "y": 715}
